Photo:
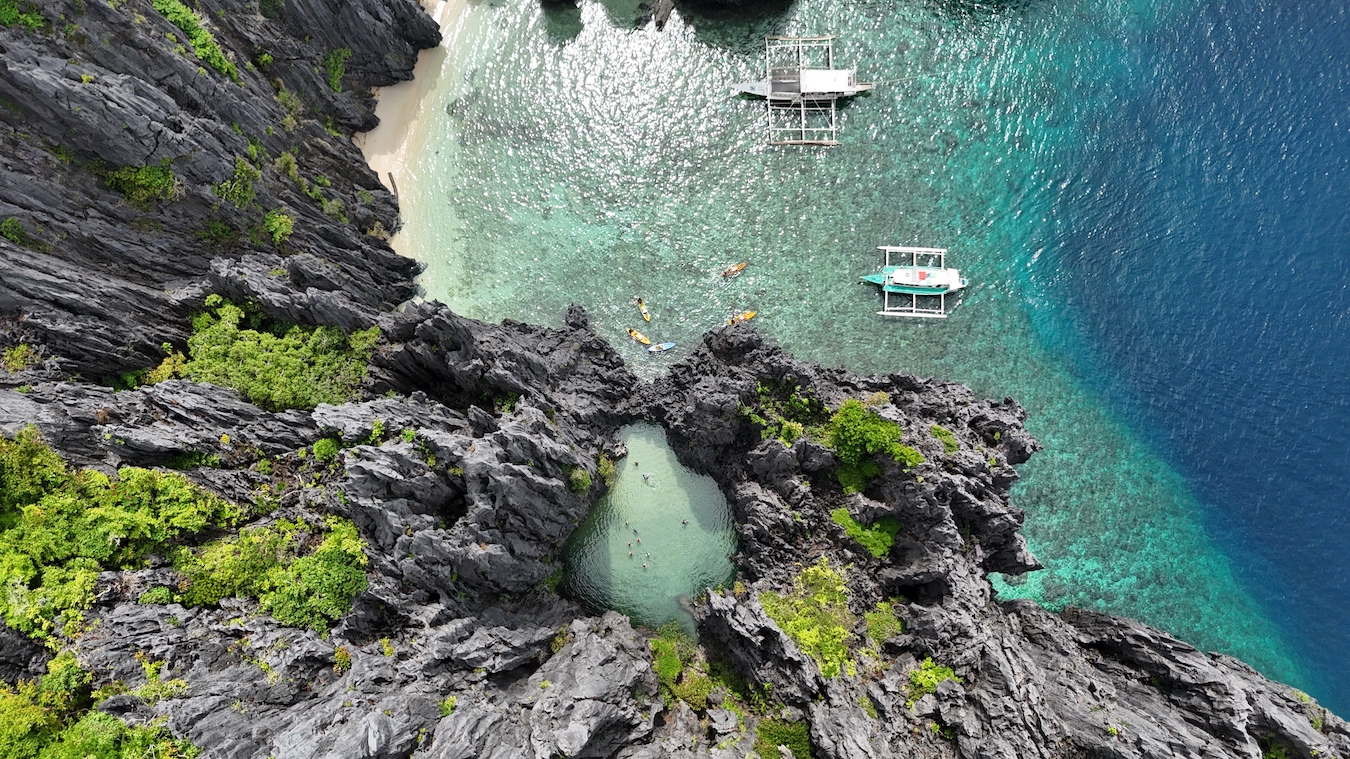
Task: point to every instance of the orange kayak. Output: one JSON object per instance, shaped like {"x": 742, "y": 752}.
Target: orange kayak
{"x": 732, "y": 271}
{"x": 743, "y": 316}
{"x": 639, "y": 336}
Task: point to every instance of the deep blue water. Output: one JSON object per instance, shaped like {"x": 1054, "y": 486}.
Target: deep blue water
{"x": 1208, "y": 301}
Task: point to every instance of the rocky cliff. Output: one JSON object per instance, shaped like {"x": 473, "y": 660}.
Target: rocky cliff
{"x": 457, "y": 467}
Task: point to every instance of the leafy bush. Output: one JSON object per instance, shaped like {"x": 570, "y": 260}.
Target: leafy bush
{"x": 238, "y": 190}
{"x": 50, "y": 719}
{"x": 203, "y": 42}
{"x": 279, "y": 225}
{"x": 159, "y": 595}
{"x": 448, "y": 706}
{"x": 19, "y": 357}
{"x": 925, "y": 679}
{"x": 265, "y": 563}
{"x": 877, "y": 539}
{"x": 816, "y": 616}
{"x": 271, "y": 8}
{"x": 604, "y": 466}
{"x": 579, "y": 480}
{"x": 946, "y": 436}
{"x": 856, "y": 433}
{"x": 61, "y": 530}
{"x": 882, "y": 624}
{"x": 298, "y": 367}
{"x": 771, "y": 733}
{"x": 11, "y": 14}
{"x": 143, "y": 185}
{"x": 784, "y": 413}
{"x": 336, "y": 65}
{"x": 342, "y": 660}
{"x": 12, "y": 229}
{"x": 326, "y": 449}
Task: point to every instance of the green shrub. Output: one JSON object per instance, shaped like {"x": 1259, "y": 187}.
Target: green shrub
{"x": 279, "y": 225}
{"x": 925, "y": 679}
{"x": 448, "y": 706}
{"x": 296, "y": 367}
{"x": 816, "y": 616}
{"x": 271, "y": 8}
{"x": 265, "y": 563}
{"x": 159, "y": 595}
{"x": 342, "y": 660}
{"x": 203, "y": 42}
{"x": 882, "y": 624}
{"x": 238, "y": 190}
{"x": 12, "y": 229}
{"x": 771, "y": 733}
{"x": 27, "y": 16}
{"x": 80, "y": 524}
{"x": 50, "y": 719}
{"x": 336, "y": 65}
{"x": 947, "y": 437}
{"x": 877, "y": 538}
{"x": 784, "y": 413}
{"x": 579, "y": 480}
{"x": 19, "y": 357}
{"x": 604, "y": 466}
{"x": 326, "y": 449}
{"x": 142, "y": 186}
{"x": 857, "y": 434}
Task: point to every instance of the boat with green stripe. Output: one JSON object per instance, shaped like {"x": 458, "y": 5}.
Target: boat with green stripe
{"x": 915, "y": 282}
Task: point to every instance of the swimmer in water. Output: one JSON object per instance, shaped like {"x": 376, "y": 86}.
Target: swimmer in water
{"x": 646, "y": 478}
{"x": 630, "y": 544}
{"x": 644, "y": 565}
{"x": 639, "y": 540}
{"x": 625, "y": 523}
{"x": 630, "y": 554}
{"x": 684, "y": 522}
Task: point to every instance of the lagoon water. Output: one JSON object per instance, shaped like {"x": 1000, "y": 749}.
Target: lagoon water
{"x": 660, "y": 535}
{"x": 1149, "y": 200}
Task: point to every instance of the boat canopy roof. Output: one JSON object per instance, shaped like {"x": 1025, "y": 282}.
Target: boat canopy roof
{"x": 826, "y": 80}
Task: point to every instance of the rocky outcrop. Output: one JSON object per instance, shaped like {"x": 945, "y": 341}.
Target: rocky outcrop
{"x": 457, "y": 464}
{"x": 99, "y": 281}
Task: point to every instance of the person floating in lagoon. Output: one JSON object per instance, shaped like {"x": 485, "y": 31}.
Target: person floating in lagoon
{"x": 644, "y": 565}
{"x": 630, "y": 554}
{"x": 684, "y": 522}
{"x": 646, "y": 478}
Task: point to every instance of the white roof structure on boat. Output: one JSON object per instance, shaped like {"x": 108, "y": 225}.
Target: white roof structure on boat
{"x": 801, "y": 85}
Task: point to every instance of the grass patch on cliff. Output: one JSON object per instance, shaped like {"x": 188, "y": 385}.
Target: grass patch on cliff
{"x": 143, "y": 186}
{"x": 925, "y": 680}
{"x": 681, "y": 675}
{"x": 816, "y": 616}
{"x": 335, "y": 63}
{"x": 771, "y": 733}
{"x": 857, "y": 434}
{"x": 946, "y": 437}
{"x": 276, "y": 366}
{"x": 877, "y": 538}
{"x": 19, "y": 357}
{"x": 785, "y": 413}
{"x": 50, "y": 718}
{"x": 12, "y": 229}
{"x": 59, "y": 529}
{"x": 203, "y": 42}
{"x": 270, "y": 564}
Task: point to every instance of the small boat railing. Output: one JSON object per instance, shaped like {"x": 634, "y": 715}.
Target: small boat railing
{"x": 908, "y": 304}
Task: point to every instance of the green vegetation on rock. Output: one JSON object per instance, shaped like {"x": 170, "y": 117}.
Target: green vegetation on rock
{"x": 311, "y": 590}
{"x": 675, "y": 660}
{"x": 203, "y": 42}
{"x": 279, "y": 225}
{"x": 238, "y": 190}
{"x": 785, "y": 413}
{"x": 59, "y": 529}
{"x": 276, "y": 366}
{"x": 925, "y": 679}
{"x": 12, "y": 13}
{"x": 947, "y": 437}
{"x": 50, "y": 718}
{"x": 771, "y": 733}
{"x": 579, "y": 480}
{"x": 12, "y": 229}
{"x": 19, "y": 357}
{"x": 816, "y": 616}
{"x": 326, "y": 449}
{"x": 877, "y": 538}
{"x": 882, "y": 624}
{"x": 857, "y": 434}
{"x": 335, "y": 63}
{"x": 142, "y": 186}
{"x": 604, "y": 466}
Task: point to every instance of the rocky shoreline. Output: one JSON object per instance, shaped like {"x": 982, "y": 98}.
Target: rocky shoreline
{"x": 465, "y": 510}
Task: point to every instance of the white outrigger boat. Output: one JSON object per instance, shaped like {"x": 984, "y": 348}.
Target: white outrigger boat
{"x": 802, "y": 85}
{"x": 918, "y": 273}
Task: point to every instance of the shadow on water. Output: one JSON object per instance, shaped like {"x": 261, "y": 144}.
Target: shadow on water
{"x": 669, "y": 519}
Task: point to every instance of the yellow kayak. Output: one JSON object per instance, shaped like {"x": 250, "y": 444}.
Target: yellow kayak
{"x": 639, "y": 336}
{"x": 642, "y": 307}
{"x": 732, "y": 271}
{"x": 743, "y": 316}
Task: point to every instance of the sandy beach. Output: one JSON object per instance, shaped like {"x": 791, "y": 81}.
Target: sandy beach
{"x": 387, "y": 147}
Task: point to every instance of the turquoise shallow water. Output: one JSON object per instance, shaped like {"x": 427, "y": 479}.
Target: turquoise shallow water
{"x": 661, "y": 534}
{"x": 575, "y": 159}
